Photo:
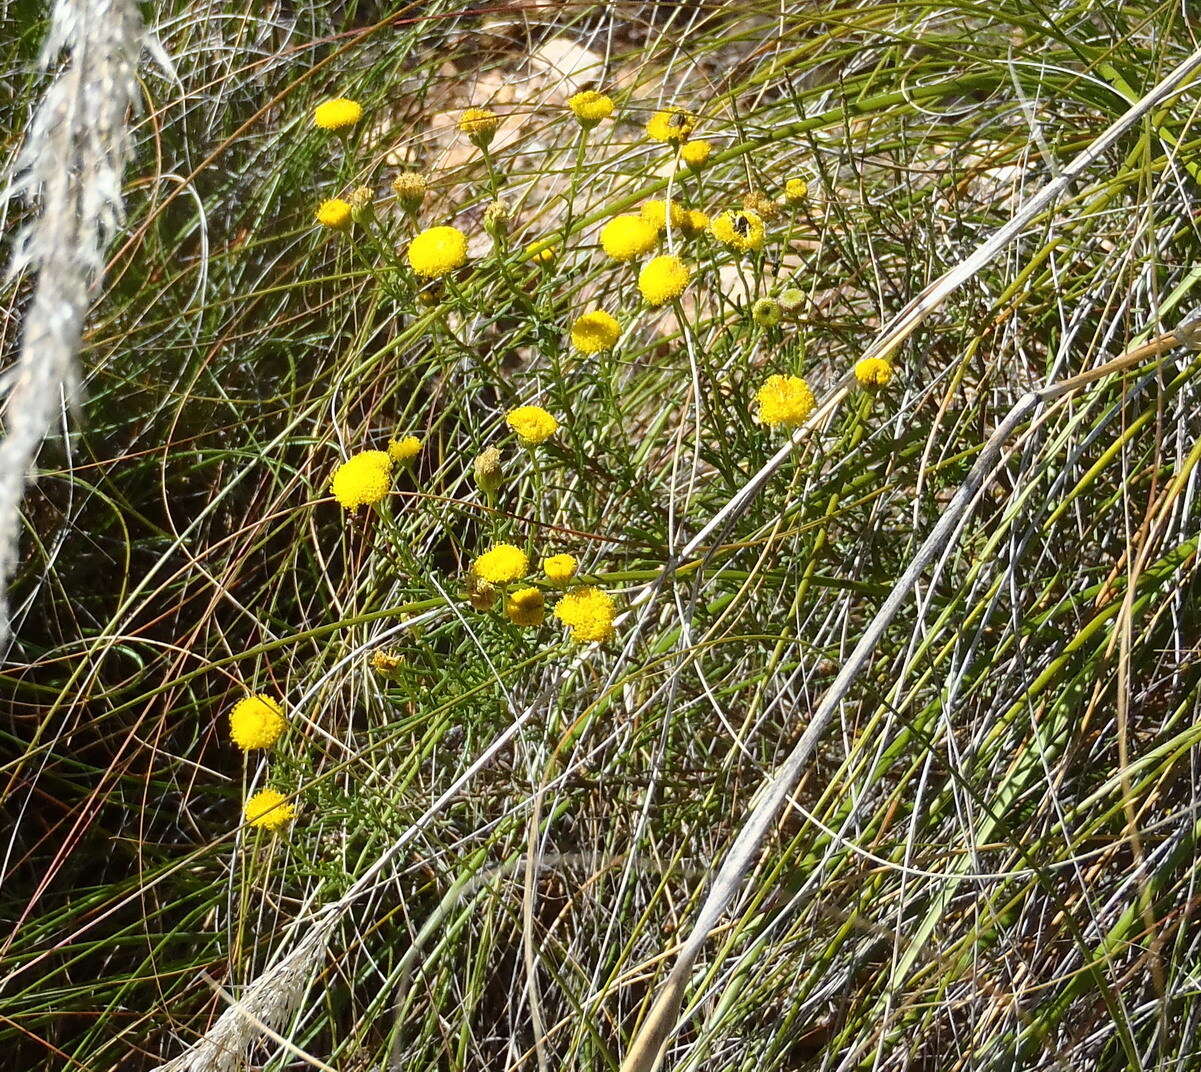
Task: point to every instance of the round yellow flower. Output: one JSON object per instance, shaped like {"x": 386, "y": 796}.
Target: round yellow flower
{"x": 784, "y": 400}
{"x": 256, "y": 722}
{"x": 479, "y": 125}
{"x": 532, "y": 424}
{"x": 796, "y": 190}
{"x": 267, "y": 809}
{"x": 698, "y": 222}
{"x": 501, "y": 564}
{"x": 403, "y": 451}
{"x": 873, "y": 372}
{"x": 741, "y": 230}
{"x": 588, "y": 612}
{"x": 337, "y": 113}
{"x": 526, "y": 606}
{"x": 540, "y": 253}
{"x": 362, "y": 480}
{"x": 663, "y": 279}
{"x": 696, "y": 153}
{"x": 767, "y": 312}
{"x": 334, "y": 213}
{"x": 595, "y": 331}
{"x": 671, "y": 124}
{"x": 627, "y": 237}
{"x": 656, "y": 212}
{"x": 590, "y": 107}
{"x": 559, "y": 569}
{"x": 438, "y": 250}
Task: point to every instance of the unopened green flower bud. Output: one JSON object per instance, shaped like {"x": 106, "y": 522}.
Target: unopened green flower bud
{"x": 489, "y": 474}
{"x": 497, "y": 218}
{"x": 409, "y": 187}
{"x": 766, "y": 312}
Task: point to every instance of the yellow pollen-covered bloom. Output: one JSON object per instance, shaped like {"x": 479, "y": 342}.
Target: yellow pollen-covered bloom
{"x": 532, "y": 424}
{"x": 560, "y": 568}
{"x": 698, "y": 222}
{"x": 438, "y": 250}
{"x": 501, "y": 564}
{"x": 663, "y": 279}
{"x": 627, "y": 237}
{"x": 337, "y": 113}
{"x": 595, "y": 331}
{"x": 671, "y": 124}
{"x": 334, "y": 213}
{"x": 256, "y": 722}
{"x": 696, "y": 153}
{"x": 526, "y": 606}
{"x": 739, "y": 230}
{"x": 362, "y": 480}
{"x": 873, "y": 371}
{"x": 588, "y": 612}
{"x": 403, "y": 451}
{"x": 268, "y": 809}
{"x": 540, "y": 253}
{"x": 784, "y": 400}
{"x": 590, "y": 107}
{"x": 796, "y": 190}
{"x": 656, "y": 212}
{"x": 479, "y": 125}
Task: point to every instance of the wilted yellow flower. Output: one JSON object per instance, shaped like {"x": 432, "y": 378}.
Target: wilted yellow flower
{"x": 757, "y": 201}
{"x": 256, "y": 722}
{"x": 671, "y": 124}
{"x": 663, "y": 279}
{"x": 497, "y": 217}
{"x": 410, "y": 187}
{"x": 362, "y": 480}
{"x": 334, "y": 213}
{"x": 796, "y": 190}
{"x": 873, "y": 371}
{"x": 696, "y": 153}
{"x": 784, "y": 400}
{"x": 588, "y": 612}
{"x": 501, "y": 564}
{"x": 655, "y": 212}
{"x": 488, "y": 472}
{"x": 481, "y": 593}
{"x": 386, "y": 663}
{"x": 267, "y": 809}
{"x": 740, "y": 230}
{"x": 403, "y": 451}
{"x": 595, "y": 331}
{"x": 525, "y": 606}
{"x": 532, "y": 424}
{"x": 438, "y": 250}
{"x": 590, "y": 107}
{"x": 479, "y": 125}
{"x": 627, "y": 237}
{"x": 560, "y": 568}
{"x": 337, "y": 113}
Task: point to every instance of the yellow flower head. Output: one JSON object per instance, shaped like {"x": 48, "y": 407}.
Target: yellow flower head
{"x": 267, "y": 809}
{"x": 362, "y": 480}
{"x": 590, "y": 107}
{"x": 438, "y": 250}
{"x": 627, "y": 237}
{"x": 672, "y": 124}
{"x": 337, "y": 113}
{"x": 696, "y": 153}
{"x": 741, "y": 230}
{"x": 559, "y": 569}
{"x": 403, "y": 451}
{"x": 410, "y": 187}
{"x": 479, "y": 125}
{"x": 532, "y": 424}
{"x": 784, "y": 400}
{"x": 663, "y": 279}
{"x": 334, "y": 213}
{"x": 540, "y": 253}
{"x": 588, "y": 613}
{"x": 873, "y": 372}
{"x": 796, "y": 190}
{"x": 256, "y": 722}
{"x": 698, "y": 222}
{"x": 595, "y": 331}
{"x": 757, "y": 201}
{"x": 525, "y": 606}
{"x": 386, "y": 663}
{"x": 656, "y": 212}
{"x": 501, "y": 564}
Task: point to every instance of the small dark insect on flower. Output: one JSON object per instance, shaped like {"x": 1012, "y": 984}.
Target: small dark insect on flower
{"x": 676, "y": 119}
{"x": 742, "y": 226}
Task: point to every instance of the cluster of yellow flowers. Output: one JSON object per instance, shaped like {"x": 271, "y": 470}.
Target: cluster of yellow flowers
{"x": 258, "y": 721}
